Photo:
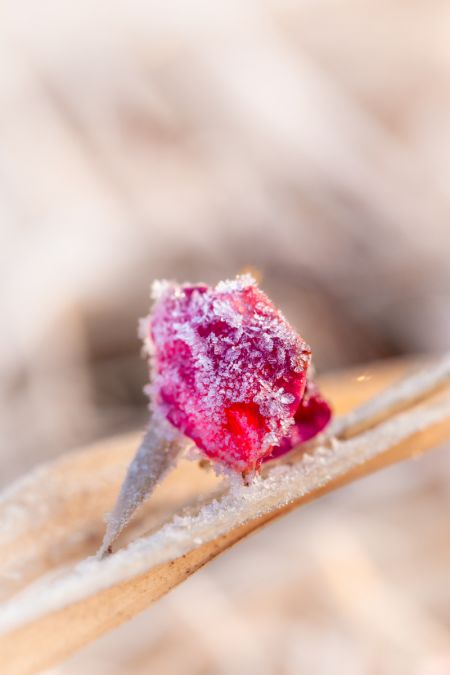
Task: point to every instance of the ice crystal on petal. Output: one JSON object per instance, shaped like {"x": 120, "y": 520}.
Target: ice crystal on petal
{"x": 311, "y": 417}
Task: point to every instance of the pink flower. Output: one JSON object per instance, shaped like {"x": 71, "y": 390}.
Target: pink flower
{"x": 230, "y": 373}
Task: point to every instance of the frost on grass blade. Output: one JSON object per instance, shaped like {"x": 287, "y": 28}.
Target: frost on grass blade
{"x": 80, "y": 603}
{"x": 394, "y": 399}
{"x": 153, "y": 459}
{"x": 282, "y": 486}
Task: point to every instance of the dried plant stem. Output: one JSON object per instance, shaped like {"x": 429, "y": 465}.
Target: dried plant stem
{"x": 152, "y": 461}
{"x": 396, "y": 398}
{"x": 95, "y": 596}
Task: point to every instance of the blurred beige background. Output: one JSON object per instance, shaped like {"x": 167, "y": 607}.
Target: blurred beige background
{"x": 306, "y": 139}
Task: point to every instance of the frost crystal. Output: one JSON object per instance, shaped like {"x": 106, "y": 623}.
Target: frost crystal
{"x": 311, "y": 417}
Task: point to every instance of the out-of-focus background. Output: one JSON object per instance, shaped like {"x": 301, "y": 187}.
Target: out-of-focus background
{"x": 308, "y": 140}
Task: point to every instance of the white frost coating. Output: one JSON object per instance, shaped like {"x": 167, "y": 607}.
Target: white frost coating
{"x": 19, "y": 500}
{"x": 238, "y": 284}
{"x": 159, "y": 287}
{"x": 282, "y": 486}
{"x": 155, "y": 456}
{"x": 396, "y": 397}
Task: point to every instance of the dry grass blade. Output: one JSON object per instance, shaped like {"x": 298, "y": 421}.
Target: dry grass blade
{"x": 396, "y": 398}
{"x": 55, "y": 516}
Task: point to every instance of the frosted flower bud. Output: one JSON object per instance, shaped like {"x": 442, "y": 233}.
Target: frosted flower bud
{"x": 229, "y": 371}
